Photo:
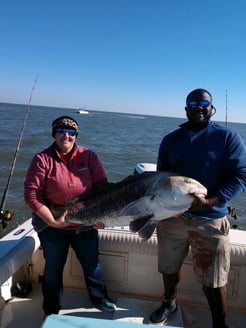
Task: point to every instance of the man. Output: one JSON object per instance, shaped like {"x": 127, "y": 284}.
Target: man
{"x": 215, "y": 156}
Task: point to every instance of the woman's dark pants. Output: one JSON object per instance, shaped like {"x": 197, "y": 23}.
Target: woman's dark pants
{"x": 55, "y": 244}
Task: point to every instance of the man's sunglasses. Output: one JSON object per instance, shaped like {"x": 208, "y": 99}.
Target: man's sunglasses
{"x": 61, "y": 131}
{"x": 195, "y": 104}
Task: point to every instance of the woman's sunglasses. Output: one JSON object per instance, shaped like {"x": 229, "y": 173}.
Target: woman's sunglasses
{"x": 61, "y": 131}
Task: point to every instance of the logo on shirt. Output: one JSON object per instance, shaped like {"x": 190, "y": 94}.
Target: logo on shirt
{"x": 83, "y": 167}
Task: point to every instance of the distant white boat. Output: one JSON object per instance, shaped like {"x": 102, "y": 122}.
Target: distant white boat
{"x": 82, "y": 111}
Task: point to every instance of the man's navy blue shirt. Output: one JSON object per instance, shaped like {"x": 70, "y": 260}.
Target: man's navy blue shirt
{"x": 215, "y": 156}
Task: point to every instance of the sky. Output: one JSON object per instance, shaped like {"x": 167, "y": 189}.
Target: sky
{"x": 130, "y": 56}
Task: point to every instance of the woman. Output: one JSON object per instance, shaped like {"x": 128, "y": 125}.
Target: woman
{"x": 56, "y": 175}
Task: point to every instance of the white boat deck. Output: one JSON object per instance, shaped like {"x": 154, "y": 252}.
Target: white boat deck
{"x": 130, "y": 269}
{"x": 28, "y": 312}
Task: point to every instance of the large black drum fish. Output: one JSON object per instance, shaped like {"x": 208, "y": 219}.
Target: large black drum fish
{"x": 139, "y": 201}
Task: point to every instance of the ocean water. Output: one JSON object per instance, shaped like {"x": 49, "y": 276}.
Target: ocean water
{"x": 120, "y": 140}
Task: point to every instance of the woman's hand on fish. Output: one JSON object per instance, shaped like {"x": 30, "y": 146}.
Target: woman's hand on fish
{"x": 48, "y": 217}
{"x": 61, "y": 221}
{"x": 201, "y": 202}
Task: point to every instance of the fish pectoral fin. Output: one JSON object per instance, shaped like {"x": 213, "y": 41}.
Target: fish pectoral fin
{"x": 139, "y": 223}
{"x": 137, "y": 208}
{"x": 147, "y": 231}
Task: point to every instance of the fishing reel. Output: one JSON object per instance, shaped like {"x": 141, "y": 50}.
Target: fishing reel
{"x": 232, "y": 212}
{"x": 5, "y": 218}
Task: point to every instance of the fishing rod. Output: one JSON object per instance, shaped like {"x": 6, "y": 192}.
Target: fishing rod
{"x": 6, "y": 216}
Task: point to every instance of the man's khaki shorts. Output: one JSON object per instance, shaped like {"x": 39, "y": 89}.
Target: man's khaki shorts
{"x": 209, "y": 242}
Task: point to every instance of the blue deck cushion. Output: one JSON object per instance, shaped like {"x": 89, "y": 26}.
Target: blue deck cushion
{"x": 67, "y": 321}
